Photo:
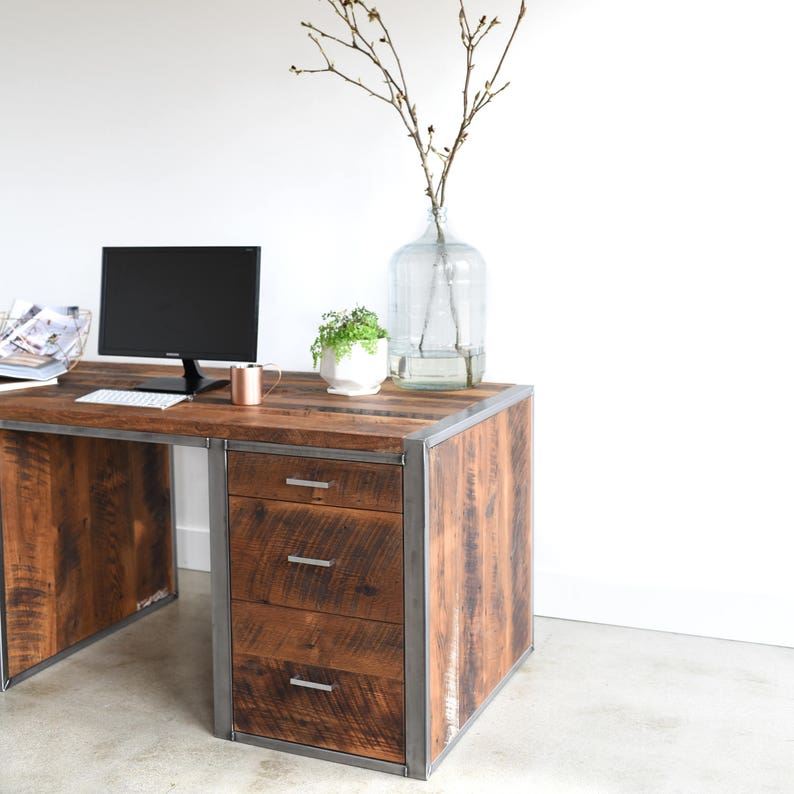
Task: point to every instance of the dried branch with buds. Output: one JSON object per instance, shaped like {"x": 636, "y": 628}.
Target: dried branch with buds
{"x": 380, "y": 52}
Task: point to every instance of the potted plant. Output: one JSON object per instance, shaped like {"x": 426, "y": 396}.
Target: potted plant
{"x": 351, "y": 347}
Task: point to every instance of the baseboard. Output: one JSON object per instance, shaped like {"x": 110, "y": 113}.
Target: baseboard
{"x": 193, "y": 548}
{"x": 747, "y": 617}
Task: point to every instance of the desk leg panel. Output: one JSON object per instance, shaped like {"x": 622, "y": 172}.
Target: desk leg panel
{"x": 86, "y": 533}
{"x": 480, "y": 566}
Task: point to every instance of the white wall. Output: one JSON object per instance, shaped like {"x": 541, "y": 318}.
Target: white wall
{"x": 631, "y": 192}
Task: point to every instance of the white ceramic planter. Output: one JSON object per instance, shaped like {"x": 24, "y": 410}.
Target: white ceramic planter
{"x": 357, "y": 374}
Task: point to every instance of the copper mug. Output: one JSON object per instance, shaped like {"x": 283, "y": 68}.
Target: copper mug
{"x": 246, "y": 384}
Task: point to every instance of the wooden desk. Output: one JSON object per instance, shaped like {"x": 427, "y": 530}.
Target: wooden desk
{"x": 371, "y": 557}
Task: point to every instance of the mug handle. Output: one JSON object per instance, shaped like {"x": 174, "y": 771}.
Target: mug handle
{"x": 278, "y": 379}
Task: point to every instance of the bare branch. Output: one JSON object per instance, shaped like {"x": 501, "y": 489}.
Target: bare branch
{"x": 471, "y": 36}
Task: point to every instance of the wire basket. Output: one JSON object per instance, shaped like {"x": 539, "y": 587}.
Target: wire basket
{"x": 25, "y": 335}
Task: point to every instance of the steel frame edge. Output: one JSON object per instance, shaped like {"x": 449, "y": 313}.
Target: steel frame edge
{"x": 333, "y": 453}
{"x": 104, "y": 432}
{"x": 90, "y": 640}
{"x": 473, "y": 718}
{"x": 4, "y": 680}
{"x": 309, "y": 751}
{"x": 463, "y": 420}
{"x": 174, "y": 556}
{"x": 416, "y": 573}
{"x": 219, "y": 588}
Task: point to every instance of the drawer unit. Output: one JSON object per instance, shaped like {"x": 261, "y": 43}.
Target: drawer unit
{"x": 372, "y": 486}
{"x": 347, "y": 562}
{"x": 320, "y": 680}
{"x": 316, "y": 581}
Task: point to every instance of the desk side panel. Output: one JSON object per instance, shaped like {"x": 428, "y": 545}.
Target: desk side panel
{"x": 480, "y": 610}
{"x": 86, "y": 526}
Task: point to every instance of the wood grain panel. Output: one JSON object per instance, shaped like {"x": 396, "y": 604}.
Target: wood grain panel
{"x": 28, "y": 550}
{"x": 152, "y": 521}
{"x": 86, "y": 529}
{"x": 75, "y": 591}
{"x": 112, "y": 530}
{"x": 480, "y": 563}
{"x": 372, "y": 486}
{"x": 361, "y": 660}
{"x": 365, "y": 579}
{"x": 299, "y": 411}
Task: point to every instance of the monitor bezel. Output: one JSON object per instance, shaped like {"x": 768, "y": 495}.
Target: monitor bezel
{"x": 193, "y": 379}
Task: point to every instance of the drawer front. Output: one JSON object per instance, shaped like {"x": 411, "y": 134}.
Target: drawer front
{"x": 319, "y": 680}
{"x": 347, "y": 562}
{"x": 371, "y": 486}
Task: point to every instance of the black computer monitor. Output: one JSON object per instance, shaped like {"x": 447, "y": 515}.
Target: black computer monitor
{"x": 185, "y": 303}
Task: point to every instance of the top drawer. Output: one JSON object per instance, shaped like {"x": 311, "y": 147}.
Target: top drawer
{"x": 369, "y": 486}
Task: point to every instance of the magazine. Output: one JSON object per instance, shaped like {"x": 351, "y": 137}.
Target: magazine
{"x": 14, "y": 384}
{"x": 40, "y": 342}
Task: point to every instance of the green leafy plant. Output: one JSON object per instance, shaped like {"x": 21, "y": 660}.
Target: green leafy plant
{"x": 341, "y": 330}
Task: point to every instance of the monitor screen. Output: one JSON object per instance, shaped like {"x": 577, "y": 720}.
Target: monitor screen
{"x": 185, "y": 303}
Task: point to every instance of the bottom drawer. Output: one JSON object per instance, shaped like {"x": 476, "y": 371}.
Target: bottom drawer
{"x": 321, "y": 680}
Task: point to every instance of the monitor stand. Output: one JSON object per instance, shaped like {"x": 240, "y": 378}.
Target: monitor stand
{"x": 192, "y": 382}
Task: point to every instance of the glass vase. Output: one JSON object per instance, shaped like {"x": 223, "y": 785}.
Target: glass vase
{"x": 437, "y": 311}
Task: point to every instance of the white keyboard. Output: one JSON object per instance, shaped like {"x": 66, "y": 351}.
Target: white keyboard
{"x": 134, "y": 399}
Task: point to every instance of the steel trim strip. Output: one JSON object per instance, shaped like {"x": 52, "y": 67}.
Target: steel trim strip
{"x": 321, "y": 753}
{"x": 220, "y": 590}
{"x": 416, "y": 576}
{"x": 172, "y": 475}
{"x": 4, "y": 682}
{"x": 473, "y": 718}
{"x": 90, "y": 640}
{"x": 463, "y": 420}
{"x": 317, "y": 452}
{"x": 104, "y": 432}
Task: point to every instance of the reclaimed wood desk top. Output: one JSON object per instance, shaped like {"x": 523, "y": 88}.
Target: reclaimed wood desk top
{"x": 299, "y": 411}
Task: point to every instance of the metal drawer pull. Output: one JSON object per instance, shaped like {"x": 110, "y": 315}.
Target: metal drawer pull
{"x": 309, "y": 483}
{"x": 311, "y": 684}
{"x": 310, "y": 561}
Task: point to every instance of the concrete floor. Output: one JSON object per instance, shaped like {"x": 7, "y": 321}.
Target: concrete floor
{"x": 595, "y": 709}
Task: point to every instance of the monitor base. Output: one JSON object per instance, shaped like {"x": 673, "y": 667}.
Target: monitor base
{"x": 192, "y": 381}
{"x": 178, "y": 385}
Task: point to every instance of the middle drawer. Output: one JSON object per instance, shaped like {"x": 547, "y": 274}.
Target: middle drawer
{"x": 341, "y": 561}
